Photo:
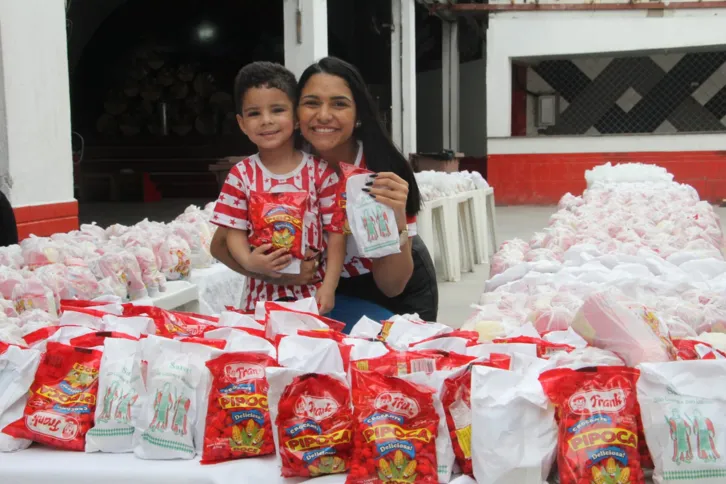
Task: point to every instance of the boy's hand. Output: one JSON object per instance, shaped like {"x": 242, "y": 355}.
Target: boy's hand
{"x": 325, "y": 298}
{"x": 268, "y": 264}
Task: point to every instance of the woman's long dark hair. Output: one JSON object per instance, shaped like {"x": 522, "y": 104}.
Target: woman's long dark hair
{"x": 380, "y": 152}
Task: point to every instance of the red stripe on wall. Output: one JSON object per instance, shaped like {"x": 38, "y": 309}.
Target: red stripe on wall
{"x": 542, "y": 179}
{"x": 46, "y": 220}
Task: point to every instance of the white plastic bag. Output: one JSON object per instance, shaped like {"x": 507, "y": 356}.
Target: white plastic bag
{"x": 444, "y": 451}
{"x": 683, "y": 408}
{"x": 373, "y": 225}
{"x": 513, "y": 427}
{"x": 119, "y": 388}
{"x": 17, "y": 372}
{"x": 165, "y": 427}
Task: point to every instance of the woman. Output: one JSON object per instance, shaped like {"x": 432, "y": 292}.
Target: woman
{"x": 338, "y": 117}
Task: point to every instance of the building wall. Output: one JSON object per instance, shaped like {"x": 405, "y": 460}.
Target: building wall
{"x": 663, "y": 93}
{"x": 643, "y": 93}
{"x": 35, "y": 127}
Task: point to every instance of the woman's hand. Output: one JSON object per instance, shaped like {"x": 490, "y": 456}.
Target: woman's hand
{"x": 391, "y": 190}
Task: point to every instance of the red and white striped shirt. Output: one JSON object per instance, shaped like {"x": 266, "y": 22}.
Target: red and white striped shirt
{"x": 355, "y": 265}
{"x": 312, "y": 176}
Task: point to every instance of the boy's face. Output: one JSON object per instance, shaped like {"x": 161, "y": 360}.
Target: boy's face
{"x": 267, "y": 117}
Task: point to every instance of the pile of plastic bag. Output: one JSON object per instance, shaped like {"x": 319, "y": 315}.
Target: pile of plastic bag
{"x": 627, "y": 173}
{"x": 436, "y": 184}
{"x": 128, "y": 262}
{"x": 654, "y": 243}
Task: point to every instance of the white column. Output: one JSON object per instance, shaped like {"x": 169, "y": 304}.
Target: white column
{"x": 403, "y": 75}
{"x": 35, "y": 121}
{"x": 306, "y": 33}
{"x": 450, "y": 84}
{"x": 498, "y": 87}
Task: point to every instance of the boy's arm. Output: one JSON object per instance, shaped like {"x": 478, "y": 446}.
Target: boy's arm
{"x": 325, "y": 296}
{"x": 258, "y": 260}
{"x": 334, "y": 261}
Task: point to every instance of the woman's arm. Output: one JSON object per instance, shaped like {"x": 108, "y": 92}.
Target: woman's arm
{"x": 392, "y": 273}
{"x": 221, "y": 252}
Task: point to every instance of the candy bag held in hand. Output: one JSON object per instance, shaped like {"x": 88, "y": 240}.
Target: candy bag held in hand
{"x": 17, "y": 371}
{"x": 340, "y": 217}
{"x": 313, "y": 421}
{"x": 278, "y": 219}
{"x": 683, "y": 408}
{"x": 396, "y": 429}
{"x": 119, "y": 387}
{"x": 238, "y": 418}
{"x": 62, "y": 398}
{"x": 372, "y": 224}
{"x": 598, "y": 424}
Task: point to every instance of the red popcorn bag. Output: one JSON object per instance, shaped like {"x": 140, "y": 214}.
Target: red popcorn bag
{"x": 689, "y": 349}
{"x": 238, "y": 418}
{"x": 397, "y": 363}
{"x": 598, "y": 424}
{"x": 279, "y": 219}
{"x": 62, "y": 399}
{"x": 211, "y": 342}
{"x": 168, "y": 324}
{"x": 396, "y": 429}
{"x": 313, "y": 422}
{"x": 456, "y": 400}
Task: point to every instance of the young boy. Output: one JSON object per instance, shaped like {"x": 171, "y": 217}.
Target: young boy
{"x": 265, "y": 96}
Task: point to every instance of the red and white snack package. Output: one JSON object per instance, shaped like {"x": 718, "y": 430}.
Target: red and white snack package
{"x": 302, "y": 352}
{"x": 513, "y": 430}
{"x": 119, "y": 389}
{"x": 372, "y": 224}
{"x": 632, "y": 332}
{"x": 366, "y": 328}
{"x": 691, "y": 349}
{"x": 238, "y": 418}
{"x": 401, "y": 332}
{"x": 598, "y": 421}
{"x": 396, "y": 429}
{"x": 310, "y": 407}
{"x": 263, "y": 308}
{"x": 237, "y": 320}
{"x": 445, "y": 457}
{"x": 313, "y": 421}
{"x": 683, "y": 409}
{"x": 287, "y": 322}
{"x": 279, "y": 219}
{"x": 17, "y": 372}
{"x": 456, "y": 403}
{"x": 170, "y": 405}
{"x": 62, "y": 398}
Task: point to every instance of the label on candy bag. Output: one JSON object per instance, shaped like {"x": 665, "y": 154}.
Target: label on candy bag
{"x": 598, "y": 424}
{"x": 238, "y": 418}
{"x": 396, "y": 428}
{"x": 314, "y": 425}
{"x": 62, "y": 398}
{"x": 278, "y": 219}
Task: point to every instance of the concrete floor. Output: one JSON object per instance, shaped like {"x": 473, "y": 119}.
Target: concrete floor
{"x": 455, "y": 298}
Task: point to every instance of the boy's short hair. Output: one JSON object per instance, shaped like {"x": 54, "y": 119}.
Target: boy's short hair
{"x": 264, "y": 74}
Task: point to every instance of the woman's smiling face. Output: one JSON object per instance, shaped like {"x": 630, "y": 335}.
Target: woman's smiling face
{"x": 327, "y": 112}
